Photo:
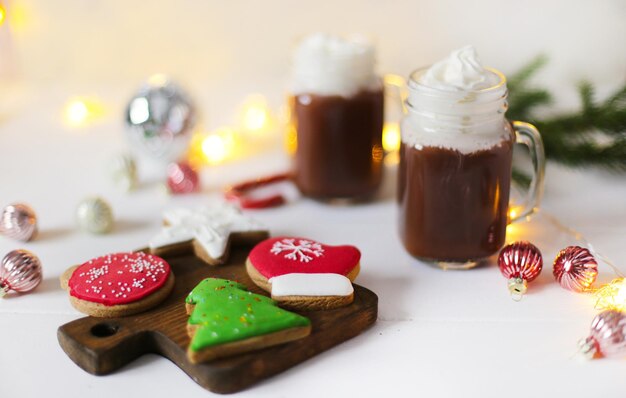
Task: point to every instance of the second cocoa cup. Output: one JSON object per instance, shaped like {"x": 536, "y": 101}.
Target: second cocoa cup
{"x": 336, "y": 106}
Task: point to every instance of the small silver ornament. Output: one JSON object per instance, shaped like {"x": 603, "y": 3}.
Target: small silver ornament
{"x": 160, "y": 117}
{"x": 18, "y": 221}
{"x": 123, "y": 171}
{"x": 94, "y": 215}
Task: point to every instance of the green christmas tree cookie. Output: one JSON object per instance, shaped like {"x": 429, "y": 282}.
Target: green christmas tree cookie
{"x": 226, "y": 319}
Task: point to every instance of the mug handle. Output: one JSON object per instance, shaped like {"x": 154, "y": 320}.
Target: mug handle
{"x": 528, "y": 135}
{"x": 396, "y": 90}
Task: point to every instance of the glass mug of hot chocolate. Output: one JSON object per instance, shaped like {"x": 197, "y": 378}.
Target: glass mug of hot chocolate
{"x": 455, "y": 162}
{"x": 336, "y": 107}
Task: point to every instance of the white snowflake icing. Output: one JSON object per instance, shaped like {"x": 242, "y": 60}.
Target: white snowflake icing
{"x": 303, "y": 250}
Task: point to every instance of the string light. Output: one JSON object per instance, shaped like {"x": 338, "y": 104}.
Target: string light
{"x": 391, "y": 137}
{"x": 291, "y": 140}
{"x": 612, "y": 295}
{"x": 514, "y": 211}
{"x": 255, "y": 114}
{"x": 213, "y": 148}
{"x": 3, "y": 14}
{"x": 79, "y": 111}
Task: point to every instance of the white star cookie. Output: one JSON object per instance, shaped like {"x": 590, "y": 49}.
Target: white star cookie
{"x": 208, "y": 231}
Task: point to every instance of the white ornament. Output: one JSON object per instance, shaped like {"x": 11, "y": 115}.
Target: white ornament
{"x": 95, "y": 215}
{"x": 302, "y": 251}
{"x": 210, "y": 227}
{"x": 123, "y": 171}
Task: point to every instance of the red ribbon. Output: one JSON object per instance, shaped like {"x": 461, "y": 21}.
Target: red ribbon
{"x": 240, "y": 192}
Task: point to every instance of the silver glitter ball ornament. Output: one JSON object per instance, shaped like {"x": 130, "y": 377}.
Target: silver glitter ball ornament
{"x": 18, "y": 221}
{"x": 20, "y": 271}
{"x": 160, "y": 117}
{"x": 123, "y": 172}
{"x": 94, "y": 215}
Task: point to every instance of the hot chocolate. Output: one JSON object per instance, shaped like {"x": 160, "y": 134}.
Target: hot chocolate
{"x": 455, "y": 162}
{"x": 453, "y": 205}
{"x": 337, "y": 113}
{"x": 339, "y": 140}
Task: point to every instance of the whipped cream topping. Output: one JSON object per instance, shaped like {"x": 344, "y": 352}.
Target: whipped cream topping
{"x": 460, "y": 71}
{"x": 456, "y": 104}
{"x": 331, "y": 65}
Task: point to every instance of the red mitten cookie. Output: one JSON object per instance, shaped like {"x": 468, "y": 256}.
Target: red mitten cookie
{"x": 118, "y": 284}
{"x": 303, "y": 274}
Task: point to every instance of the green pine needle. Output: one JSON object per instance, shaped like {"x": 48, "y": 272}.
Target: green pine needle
{"x": 593, "y": 136}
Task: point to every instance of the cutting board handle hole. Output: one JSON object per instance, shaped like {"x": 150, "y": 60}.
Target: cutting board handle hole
{"x": 104, "y": 329}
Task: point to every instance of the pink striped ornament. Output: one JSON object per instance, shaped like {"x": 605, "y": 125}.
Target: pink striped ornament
{"x": 18, "y": 221}
{"x": 575, "y": 269}
{"x": 520, "y": 262}
{"x": 607, "y": 337}
{"x": 20, "y": 271}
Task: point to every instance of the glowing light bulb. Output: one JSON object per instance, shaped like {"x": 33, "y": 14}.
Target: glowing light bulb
{"x": 76, "y": 112}
{"x": 218, "y": 146}
{"x": 612, "y": 295}
{"x": 391, "y": 137}
{"x": 255, "y": 114}
{"x": 514, "y": 211}
{"x": 291, "y": 140}
{"x": 79, "y": 111}
{"x": 3, "y": 14}
{"x": 214, "y": 148}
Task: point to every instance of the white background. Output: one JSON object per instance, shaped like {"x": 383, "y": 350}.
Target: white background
{"x": 439, "y": 333}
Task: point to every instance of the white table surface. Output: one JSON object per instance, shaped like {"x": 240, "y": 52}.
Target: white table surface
{"x": 438, "y": 333}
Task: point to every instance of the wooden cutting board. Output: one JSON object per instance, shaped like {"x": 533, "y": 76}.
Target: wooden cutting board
{"x": 103, "y": 345}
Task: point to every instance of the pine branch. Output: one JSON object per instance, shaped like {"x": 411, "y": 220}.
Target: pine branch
{"x": 520, "y": 78}
{"x": 593, "y": 136}
{"x": 526, "y": 101}
{"x": 611, "y": 157}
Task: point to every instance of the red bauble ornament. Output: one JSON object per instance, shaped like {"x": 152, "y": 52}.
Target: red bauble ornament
{"x": 20, "y": 271}
{"x": 520, "y": 262}
{"x": 575, "y": 268}
{"x": 607, "y": 337}
{"x": 181, "y": 178}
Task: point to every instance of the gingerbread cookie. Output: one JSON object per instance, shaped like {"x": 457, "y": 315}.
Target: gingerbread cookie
{"x": 207, "y": 231}
{"x": 304, "y": 274}
{"x": 225, "y": 319}
{"x": 118, "y": 284}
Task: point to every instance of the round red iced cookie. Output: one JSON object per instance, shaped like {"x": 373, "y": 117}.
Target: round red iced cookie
{"x": 287, "y": 255}
{"x": 119, "y": 278}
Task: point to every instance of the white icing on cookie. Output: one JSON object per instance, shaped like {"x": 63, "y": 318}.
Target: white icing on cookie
{"x": 208, "y": 226}
{"x": 303, "y": 251}
{"x": 297, "y": 284}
